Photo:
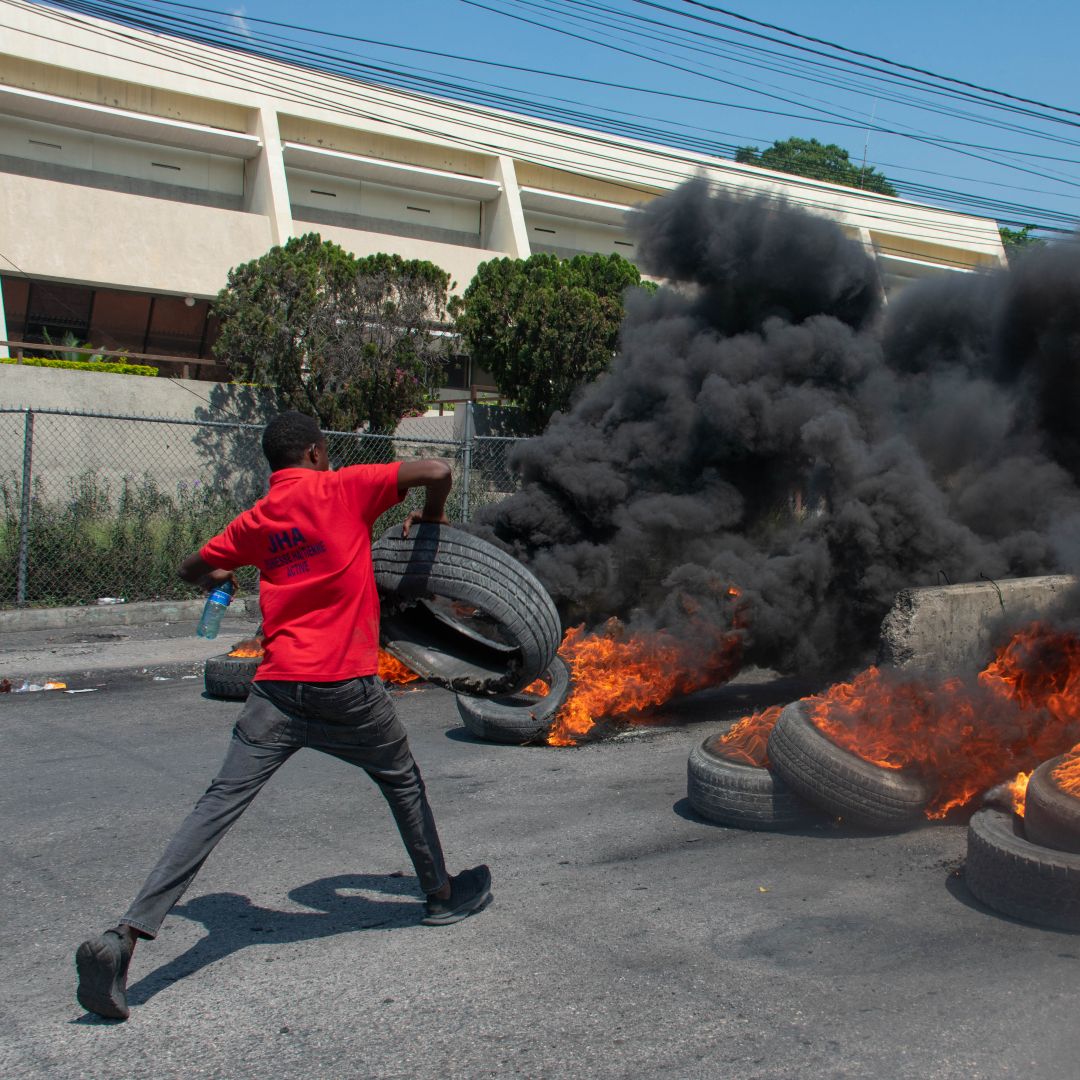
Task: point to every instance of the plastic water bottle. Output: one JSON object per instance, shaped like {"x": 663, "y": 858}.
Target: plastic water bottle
{"x": 214, "y": 610}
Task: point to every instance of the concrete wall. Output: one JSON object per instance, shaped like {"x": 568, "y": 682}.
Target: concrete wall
{"x": 174, "y": 455}
{"x": 950, "y": 629}
{"x": 22, "y": 386}
{"x": 136, "y": 242}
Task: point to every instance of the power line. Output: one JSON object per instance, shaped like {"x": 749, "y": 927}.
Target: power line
{"x": 607, "y": 12}
{"x": 834, "y": 118}
{"x": 109, "y": 12}
{"x": 871, "y": 56}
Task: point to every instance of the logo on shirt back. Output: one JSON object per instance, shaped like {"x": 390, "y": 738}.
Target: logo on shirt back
{"x": 288, "y": 538}
{"x": 290, "y": 548}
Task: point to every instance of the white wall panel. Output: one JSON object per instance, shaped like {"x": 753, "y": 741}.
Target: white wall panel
{"x": 366, "y": 199}
{"x": 69, "y": 147}
{"x": 573, "y": 234}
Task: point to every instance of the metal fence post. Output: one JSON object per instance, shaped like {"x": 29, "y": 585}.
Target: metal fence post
{"x": 466, "y": 461}
{"x": 24, "y": 508}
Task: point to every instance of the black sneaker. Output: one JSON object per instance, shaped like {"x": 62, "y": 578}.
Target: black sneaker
{"x": 470, "y": 892}
{"x": 102, "y": 963}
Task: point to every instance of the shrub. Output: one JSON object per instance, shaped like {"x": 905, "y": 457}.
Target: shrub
{"x": 83, "y": 365}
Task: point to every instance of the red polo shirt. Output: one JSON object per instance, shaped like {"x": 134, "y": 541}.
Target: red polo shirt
{"x": 310, "y": 537}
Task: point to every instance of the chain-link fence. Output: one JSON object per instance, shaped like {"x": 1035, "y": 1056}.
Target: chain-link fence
{"x": 96, "y": 506}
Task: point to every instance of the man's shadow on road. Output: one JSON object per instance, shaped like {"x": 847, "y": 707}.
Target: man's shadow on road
{"x": 233, "y": 922}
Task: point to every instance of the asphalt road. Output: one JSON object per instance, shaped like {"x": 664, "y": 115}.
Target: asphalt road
{"x": 627, "y": 938}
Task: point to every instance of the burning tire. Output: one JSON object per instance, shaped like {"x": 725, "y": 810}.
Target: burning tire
{"x": 1051, "y": 816}
{"x": 517, "y": 718}
{"x": 737, "y": 793}
{"x": 1010, "y": 874}
{"x": 857, "y": 791}
{"x": 230, "y": 677}
{"x": 461, "y": 613}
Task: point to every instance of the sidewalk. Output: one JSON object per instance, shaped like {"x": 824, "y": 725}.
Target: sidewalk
{"x": 82, "y": 644}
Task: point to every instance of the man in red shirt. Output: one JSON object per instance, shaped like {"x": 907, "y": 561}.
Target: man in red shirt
{"x": 317, "y": 686}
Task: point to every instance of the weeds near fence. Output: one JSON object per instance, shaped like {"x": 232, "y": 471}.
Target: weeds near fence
{"x": 122, "y": 531}
{"x": 100, "y": 540}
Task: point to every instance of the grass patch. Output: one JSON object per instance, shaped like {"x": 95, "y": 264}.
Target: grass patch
{"x": 96, "y": 541}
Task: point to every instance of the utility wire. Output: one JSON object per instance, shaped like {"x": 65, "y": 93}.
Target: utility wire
{"x": 835, "y": 117}
{"x": 602, "y": 15}
{"x": 871, "y": 56}
{"x": 109, "y": 11}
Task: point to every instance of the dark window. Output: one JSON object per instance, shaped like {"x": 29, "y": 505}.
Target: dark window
{"x": 175, "y": 328}
{"x": 58, "y": 310}
{"x": 482, "y": 378}
{"x": 456, "y": 375}
{"x": 119, "y": 319}
{"x": 213, "y": 328}
{"x": 16, "y": 295}
{"x": 109, "y": 319}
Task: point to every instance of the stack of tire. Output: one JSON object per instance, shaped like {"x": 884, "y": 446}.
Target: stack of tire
{"x": 467, "y": 616}
{"x": 804, "y": 777}
{"x": 1028, "y": 866}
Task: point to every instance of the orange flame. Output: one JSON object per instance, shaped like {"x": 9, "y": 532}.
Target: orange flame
{"x": 392, "y": 670}
{"x": 963, "y": 738}
{"x": 747, "y": 741}
{"x": 1066, "y": 774}
{"x": 250, "y": 647}
{"x": 614, "y": 673}
{"x": 1018, "y": 791}
{"x": 538, "y": 688}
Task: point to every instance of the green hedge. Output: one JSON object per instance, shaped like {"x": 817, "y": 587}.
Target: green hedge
{"x": 83, "y": 365}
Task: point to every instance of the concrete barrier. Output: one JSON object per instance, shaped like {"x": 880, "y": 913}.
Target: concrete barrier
{"x": 950, "y": 628}
{"x": 140, "y": 613}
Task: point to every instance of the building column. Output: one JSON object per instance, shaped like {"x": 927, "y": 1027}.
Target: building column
{"x": 266, "y": 189}
{"x": 504, "y": 220}
{"x": 867, "y": 242}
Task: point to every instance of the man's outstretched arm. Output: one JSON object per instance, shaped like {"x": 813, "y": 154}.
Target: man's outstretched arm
{"x": 436, "y": 477}
{"x": 195, "y": 570}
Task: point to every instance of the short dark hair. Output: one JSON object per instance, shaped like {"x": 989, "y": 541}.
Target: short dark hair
{"x": 287, "y": 436}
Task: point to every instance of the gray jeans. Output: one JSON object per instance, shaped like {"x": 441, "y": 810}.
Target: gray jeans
{"x": 352, "y": 720}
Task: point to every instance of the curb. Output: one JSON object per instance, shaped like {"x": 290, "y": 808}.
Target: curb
{"x": 136, "y": 614}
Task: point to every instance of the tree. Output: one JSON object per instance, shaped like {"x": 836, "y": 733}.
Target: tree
{"x": 1018, "y": 240}
{"x": 544, "y": 326}
{"x": 344, "y": 339}
{"x": 808, "y": 157}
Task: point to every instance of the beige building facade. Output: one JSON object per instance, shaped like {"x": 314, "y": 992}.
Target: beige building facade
{"x": 136, "y": 169}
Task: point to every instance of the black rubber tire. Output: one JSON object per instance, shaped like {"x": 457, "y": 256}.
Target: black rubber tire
{"x": 517, "y": 628}
{"x": 230, "y": 677}
{"x": 519, "y": 718}
{"x": 737, "y": 793}
{"x": 1051, "y": 817}
{"x": 840, "y": 783}
{"x": 1010, "y": 874}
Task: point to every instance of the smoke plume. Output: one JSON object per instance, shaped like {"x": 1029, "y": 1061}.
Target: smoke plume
{"x": 769, "y": 425}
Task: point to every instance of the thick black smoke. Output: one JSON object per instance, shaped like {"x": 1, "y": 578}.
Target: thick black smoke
{"x": 768, "y": 426}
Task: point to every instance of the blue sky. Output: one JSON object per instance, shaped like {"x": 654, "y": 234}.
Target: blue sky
{"x": 1026, "y": 50}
